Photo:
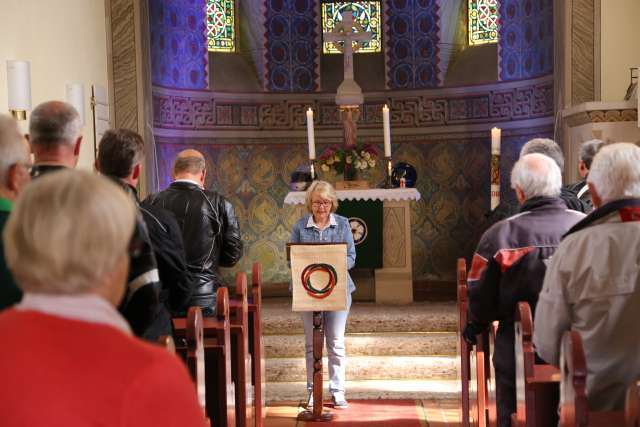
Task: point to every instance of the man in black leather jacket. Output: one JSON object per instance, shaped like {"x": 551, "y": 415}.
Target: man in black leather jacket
{"x": 209, "y": 226}
{"x": 120, "y": 157}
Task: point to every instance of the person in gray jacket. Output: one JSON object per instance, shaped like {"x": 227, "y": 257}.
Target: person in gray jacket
{"x": 592, "y": 285}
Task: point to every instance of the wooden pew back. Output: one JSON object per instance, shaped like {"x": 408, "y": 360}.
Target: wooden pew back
{"x": 469, "y": 398}
{"x": 220, "y": 390}
{"x": 574, "y": 407}
{"x": 256, "y": 345}
{"x": 195, "y": 352}
{"x": 166, "y": 342}
{"x": 574, "y": 410}
{"x": 241, "y": 366}
{"x": 632, "y": 405}
{"x": 537, "y": 386}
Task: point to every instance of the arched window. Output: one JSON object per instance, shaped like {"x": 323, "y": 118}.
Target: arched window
{"x": 367, "y": 13}
{"x": 221, "y": 30}
{"x": 483, "y": 22}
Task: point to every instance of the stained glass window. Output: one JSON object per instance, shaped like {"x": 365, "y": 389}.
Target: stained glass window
{"x": 221, "y": 32}
{"x": 366, "y": 13}
{"x": 483, "y": 22}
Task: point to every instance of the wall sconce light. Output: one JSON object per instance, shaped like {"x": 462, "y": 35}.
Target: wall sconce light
{"x": 19, "y": 88}
{"x": 75, "y": 96}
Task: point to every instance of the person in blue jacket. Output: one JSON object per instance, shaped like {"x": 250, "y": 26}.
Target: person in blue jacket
{"x": 322, "y": 224}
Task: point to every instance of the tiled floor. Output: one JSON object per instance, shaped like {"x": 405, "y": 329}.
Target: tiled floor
{"x": 441, "y": 413}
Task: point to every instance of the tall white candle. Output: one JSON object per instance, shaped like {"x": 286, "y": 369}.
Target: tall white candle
{"x": 310, "y": 136}
{"x": 495, "y": 140}
{"x": 495, "y": 167}
{"x": 387, "y": 131}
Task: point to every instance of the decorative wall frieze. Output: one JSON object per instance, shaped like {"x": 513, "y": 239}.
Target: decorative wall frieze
{"x": 601, "y": 112}
{"x": 203, "y": 111}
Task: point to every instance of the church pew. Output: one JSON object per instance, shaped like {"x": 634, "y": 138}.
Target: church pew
{"x": 473, "y": 361}
{"x": 220, "y": 389}
{"x": 240, "y": 363}
{"x": 537, "y": 385}
{"x": 492, "y": 408}
{"x": 192, "y": 352}
{"x": 256, "y": 345}
{"x": 632, "y": 405}
{"x": 574, "y": 409}
{"x": 465, "y": 349}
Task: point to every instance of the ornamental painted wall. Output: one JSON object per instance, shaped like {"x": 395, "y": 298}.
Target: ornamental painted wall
{"x": 412, "y": 44}
{"x": 178, "y": 44}
{"x": 446, "y": 222}
{"x": 525, "y": 45}
{"x": 292, "y": 45}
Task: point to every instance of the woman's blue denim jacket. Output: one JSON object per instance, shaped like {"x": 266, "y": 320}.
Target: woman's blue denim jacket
{"x": 338, "y": 230}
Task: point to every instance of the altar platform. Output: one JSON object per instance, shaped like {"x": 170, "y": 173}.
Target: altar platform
{"x": 394, "y": 280}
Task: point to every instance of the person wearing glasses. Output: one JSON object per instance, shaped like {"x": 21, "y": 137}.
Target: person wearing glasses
{"x": 14, "y": 176}
{"x": 322, "y": 225}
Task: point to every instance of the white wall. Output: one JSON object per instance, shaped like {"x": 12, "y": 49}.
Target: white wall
{"x": 620, "y": 42}
{"x": 65, "y": 41}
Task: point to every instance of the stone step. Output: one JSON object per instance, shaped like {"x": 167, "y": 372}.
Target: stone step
{"x": 372, "y": 389}
{"x": 370, "y": 368}
{"x": 368, "y": 317}
{"x": 372, "y": 344}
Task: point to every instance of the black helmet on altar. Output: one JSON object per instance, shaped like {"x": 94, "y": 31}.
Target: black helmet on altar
{"x": 404, "y": 170}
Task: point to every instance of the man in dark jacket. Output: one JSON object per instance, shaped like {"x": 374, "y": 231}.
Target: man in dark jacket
{"x": 588, "y": 150}
{"x": 510, "y": 262}
{"x": 14, "y": 176}
{"x": 209, "y": 226}
{"x": 120, "y": 156}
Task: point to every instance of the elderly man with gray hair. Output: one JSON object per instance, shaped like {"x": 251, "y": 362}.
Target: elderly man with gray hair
{"x": 592, "y": 285}
{"x": 510, "y": 261}
{"x": 14, "y": 176}
{"x": 72, "y": 356}
{"x": 55, "y": 135}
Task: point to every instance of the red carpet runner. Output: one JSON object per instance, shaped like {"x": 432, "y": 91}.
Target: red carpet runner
{"x": 376, "y": 413}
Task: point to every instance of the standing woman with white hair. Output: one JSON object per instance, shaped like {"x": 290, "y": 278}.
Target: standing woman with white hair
{"x": 70, "y": 357}
{"x": 322, "y": 224}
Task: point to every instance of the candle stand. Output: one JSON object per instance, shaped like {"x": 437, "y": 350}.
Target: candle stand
{"x": 388, "y": 172}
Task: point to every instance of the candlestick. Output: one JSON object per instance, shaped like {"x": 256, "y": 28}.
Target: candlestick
{"x": 388, "y": 171}
{"x": 387, "y": 131}
{"x": 312, "y": 170}
{"x": 310, "y": 135}
{"x": 495, "y": 140}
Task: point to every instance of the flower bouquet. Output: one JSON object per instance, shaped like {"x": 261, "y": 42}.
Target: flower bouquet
{"x": 348, "y": 161}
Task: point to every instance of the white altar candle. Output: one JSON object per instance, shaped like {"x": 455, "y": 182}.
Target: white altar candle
{"x": 387, "y": 131}
{"x": 310, "y": 136}
{"x": 495, "y": 140}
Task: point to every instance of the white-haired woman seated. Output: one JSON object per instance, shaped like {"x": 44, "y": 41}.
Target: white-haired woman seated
{"x": 68, "y": 357}
{"x": 324, "y": 225}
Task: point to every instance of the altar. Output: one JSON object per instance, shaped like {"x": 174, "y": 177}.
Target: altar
{"x": 394, "y": 279}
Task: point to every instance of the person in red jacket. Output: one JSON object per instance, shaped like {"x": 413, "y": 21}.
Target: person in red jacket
{"x": 69, "y": 358}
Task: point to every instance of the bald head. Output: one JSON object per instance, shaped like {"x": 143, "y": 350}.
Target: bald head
{"x": 190, "y": 164}
{"x": 55, "y": 133}
{"x": 536, "y": 175}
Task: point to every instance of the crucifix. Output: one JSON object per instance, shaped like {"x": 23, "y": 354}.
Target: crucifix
{"x": 344, "y": 32}
{"x": 349, "y": 96}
